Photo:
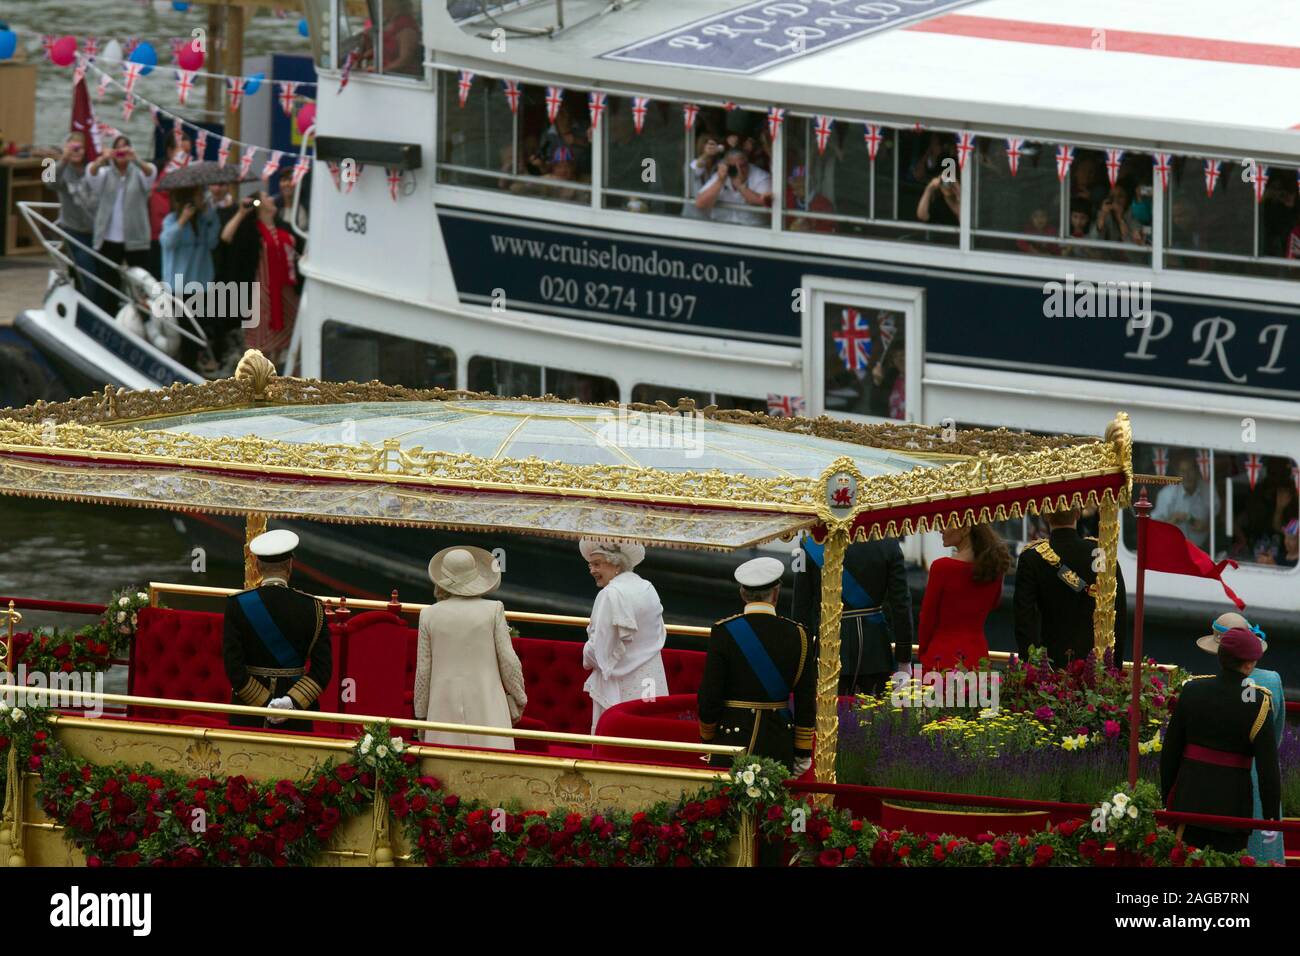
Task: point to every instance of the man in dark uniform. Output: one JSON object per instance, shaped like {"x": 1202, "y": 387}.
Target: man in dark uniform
{"x": 877, "y": 611}
{"x": 1055, "y": 593}
{"x": 755, "y": 660}
{"x": 1220, "y": 725}
{"x": 276, "y": 644}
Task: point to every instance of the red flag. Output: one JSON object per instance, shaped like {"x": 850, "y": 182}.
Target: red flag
{"x": 1169, "y": 551}
{"x": 83, "y": 119}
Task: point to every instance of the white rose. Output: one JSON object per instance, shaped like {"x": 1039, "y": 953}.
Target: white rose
{"x": 756, "y": 767}
{"x": 754, "y": 793}
{"x": 4, "y": 705}
{"x": 121, "y": 616}
{"x": 747, "y": 778}
{"x": 18, "y": 714}
{"x": 123, "y": 601}
{"x": 381, "y": 751}
{"x": 397, "y": 743}
{"x": 1119, "y": 800}
{"x": 1133, "y": 812}
{"x": 141, "y": 596}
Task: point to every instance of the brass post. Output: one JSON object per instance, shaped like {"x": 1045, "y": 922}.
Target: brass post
{"x": 828, "y": 655}
{"x": 254, "y": 525}
{"x": 1103, "y": 612}
{"x": 11, "y": 825}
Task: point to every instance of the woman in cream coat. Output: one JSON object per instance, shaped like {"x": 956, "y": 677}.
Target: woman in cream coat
{"x": 466, "y": 668}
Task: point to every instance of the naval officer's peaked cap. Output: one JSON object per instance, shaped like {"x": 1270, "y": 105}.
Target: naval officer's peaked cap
{"x": 760, "y": 573}
{"x": 274, "y": 546}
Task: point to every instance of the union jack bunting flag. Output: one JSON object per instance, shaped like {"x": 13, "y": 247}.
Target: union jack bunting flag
{"x": 128, "y": 107}
{"x": 334, "y": 174}
{"x": 785, "y": 406}
{"x": 92, "y": 47}
{"x": 1161, "y": 161}
{"x": 1203, "y": 462}
{"x": 300, "y": 169}
{"x": 79, "y": 71}
{"x": 1259, "y": 172}
{"x": 1254, "y": 466}
{"x": 272, "y": 165}
{"x": 47, "y": 42}
{"x": 1064, "y": 160}
{"x": 689, "y": 112}
{"x": 823, "y": 125}
{"x": 346, "y": 75}
{"x": 1014, "y": 146}
{"x": 775, "y": 116}
{"x": 965, "y": 146}
{"x": 554, "y": 97}
{"x": 200, "y": 143}
{"x": 394, "y": 182}
{"x": 511, "y": 90}
{"x": 1114, "y": 158}
{"x": 132, "y": 71}
{"x": 463, "y": 86}
{"x": 1213, "y": 167}
{"x": 246, "y": 160}
{"x": 640, "y": 105}
{"x": 128, "y": 46}
{"x": 352, "y": 180}
{"x": 184, "y": 83}
{"x": 1160, "y": 459}
{"x": 235, "y": 88}
{"x": 101, "y": 86}
{"x": 288, "y": 90}
{"x": 871, "y": 135}
{"x": 853, "y": 340}
{"x": 595, "y": 106}
{"x": 223, "y": 151}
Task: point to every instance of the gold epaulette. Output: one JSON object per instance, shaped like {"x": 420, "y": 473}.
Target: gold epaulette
{"x": 1264, "y": 706}
{"x": 726, "y": 619}
{"x": 1045, "y": 551}
{"x": 1063, "y": 571}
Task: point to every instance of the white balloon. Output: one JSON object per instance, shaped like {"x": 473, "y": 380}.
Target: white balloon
{"x": 162, "y": 6}
{"x": 110, "y": 55}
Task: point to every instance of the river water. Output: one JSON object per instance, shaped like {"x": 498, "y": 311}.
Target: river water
{"x": 154, "y": 21}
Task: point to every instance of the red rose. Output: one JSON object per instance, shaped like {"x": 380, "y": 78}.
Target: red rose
{"x": 40, "y": 735}
{"x": 1043, "y": 854}
{"x": 345, "y": 772}
{"x": 904, "y": 851}
{"x": 1068, "y": 827}
{"x": 1246, "y": 860}
{"x": 474, "y": 817}
{"x": 1089, "y": 849}
{"x": 850, "y": 852}
{"x": 856, "y": 826}
{"x": 451, "y": 802}
{"x": 1149, "y": 839}
{"x": 4, "y": 742}
{"x": 1177, "y": 855}
{"x": 937, "y": 853}
{"x": 1000, "y": 849}
{"x": 111, "y": 785}
{"x": 66, "y": 667}
{"x": 34, "y": 762}
{"x": 774, "y": 813}
{"x": 62, "y": 651}
{"x": 683, "y": 860}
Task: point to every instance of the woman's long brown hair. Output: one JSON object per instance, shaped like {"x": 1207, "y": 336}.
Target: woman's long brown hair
{"x": 992, "y": 559}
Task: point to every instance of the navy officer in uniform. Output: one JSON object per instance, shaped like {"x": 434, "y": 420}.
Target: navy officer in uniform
{"x": 276, "y": 644}
{"x": 1222, "y": 724}
{"x": 1055, "y": 593}
{"x": 877, "y": 611}
{"x": 755, "y": 661}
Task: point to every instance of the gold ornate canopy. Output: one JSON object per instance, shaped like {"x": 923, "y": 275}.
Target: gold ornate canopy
{"x": 267, "y": 446}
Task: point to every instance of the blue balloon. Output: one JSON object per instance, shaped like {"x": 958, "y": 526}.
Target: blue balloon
{"x": 254, "y": 83}
{"x": 145, "y": 55}
{"x": 302, "y": 27}
{"x": 180, "y": 6}
{"x": 8, "y": 43}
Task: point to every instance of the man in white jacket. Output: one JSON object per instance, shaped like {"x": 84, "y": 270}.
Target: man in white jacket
{"x": 626, "y": 632}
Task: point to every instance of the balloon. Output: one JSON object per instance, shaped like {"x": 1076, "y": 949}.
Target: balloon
{"x": 302, "y": 27}
{"x": 145, "y": 55}
{"x": 64, "y": 51}
{"x": 8, "y": 43}
{"x": 190, "y": 57}
{"x": 180, "y": 6}
{"x": 254, "y": 83}
{"x": 110, "y": 55}
{"x": 306, "y": 117}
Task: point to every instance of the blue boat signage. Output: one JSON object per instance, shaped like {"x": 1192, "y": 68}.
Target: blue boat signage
{"x": 1061, "y": 327}
{"x": 756, "y": 36}
{"x": 107, "y": 335}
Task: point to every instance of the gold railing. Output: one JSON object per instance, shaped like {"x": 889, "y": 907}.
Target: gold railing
{"x": 92, "y": 697}
{"x": 522, "y": 617}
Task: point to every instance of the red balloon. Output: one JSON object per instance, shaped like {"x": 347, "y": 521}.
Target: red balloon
{"x": 306, "y": 117}
{"x": 63, "y": 51}
{"x": 190, "y": 57}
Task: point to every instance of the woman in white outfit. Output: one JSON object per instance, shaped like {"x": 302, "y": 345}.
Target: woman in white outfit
{"x": 626, "y": 632}
{"x": 466, "y": 669}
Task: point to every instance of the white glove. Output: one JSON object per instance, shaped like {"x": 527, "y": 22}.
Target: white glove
{"x": 280, "y": 703}
{"x": 801, "y": 765}
{"x": 1270, "y": 836}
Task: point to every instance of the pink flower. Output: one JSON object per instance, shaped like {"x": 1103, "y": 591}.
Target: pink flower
{"x": 1112, "y": 728}
{"x": 1159, "y": 701}
{"x": 1044, "y": 713}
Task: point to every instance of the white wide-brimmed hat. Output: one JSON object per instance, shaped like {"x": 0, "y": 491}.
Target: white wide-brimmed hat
{"x": 631, "y": 551}
{"x": 1222, "y": 625}
{"x": 464, "y": 571}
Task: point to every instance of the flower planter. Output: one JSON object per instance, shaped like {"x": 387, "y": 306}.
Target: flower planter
{"x": 961, "y": 822}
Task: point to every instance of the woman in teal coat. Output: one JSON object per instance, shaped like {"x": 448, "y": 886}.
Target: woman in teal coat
{"x": 1265, "y": 849}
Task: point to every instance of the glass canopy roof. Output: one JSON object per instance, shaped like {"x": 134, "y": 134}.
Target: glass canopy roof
{"x": 551, "y": 431}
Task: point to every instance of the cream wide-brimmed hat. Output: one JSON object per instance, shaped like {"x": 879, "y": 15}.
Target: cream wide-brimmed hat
{"x": 464, "y": 571}
{"x": 630, "y": 550}
{"x": 1222, "y": 625}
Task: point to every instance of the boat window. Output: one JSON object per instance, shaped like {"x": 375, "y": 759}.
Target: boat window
{"x": 649, "y": 394}
{"x": 498, "y": 134}
{"x": 318, "y": 16}
{"x": 1230, "y": 504}
{"x": 1214, "y": 224}
{"x": 644, "y": 169}
{"x": 401, "y": 50}
{"x": 865, "y": 364}
{"x": 356, "y": 32}
{"x": 350, "y": 353}
{"x": 1012, "y": 207}
{"x": 517, "y": 379}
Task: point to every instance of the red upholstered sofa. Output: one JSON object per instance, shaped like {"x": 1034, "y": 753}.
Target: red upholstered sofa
{"x": 667, "y": 718}
{"x": 178, "y": 654}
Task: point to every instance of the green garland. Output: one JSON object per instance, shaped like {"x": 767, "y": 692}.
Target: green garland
{"x": 137, "y": 816}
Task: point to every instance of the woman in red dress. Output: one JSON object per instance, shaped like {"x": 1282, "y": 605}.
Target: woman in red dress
{"x": 959, "y": 595}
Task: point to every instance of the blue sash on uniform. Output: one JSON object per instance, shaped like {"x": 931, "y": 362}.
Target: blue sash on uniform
{"x": 759, "y": 661}
{"x": 852, "y": 592}
{"x": 267, "y": 631}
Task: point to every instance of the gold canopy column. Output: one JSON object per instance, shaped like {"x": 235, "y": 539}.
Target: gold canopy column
{"x": 254, "y": 525}
{"x": 828, "y": 655}
{"x": 1103, "y": 612}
